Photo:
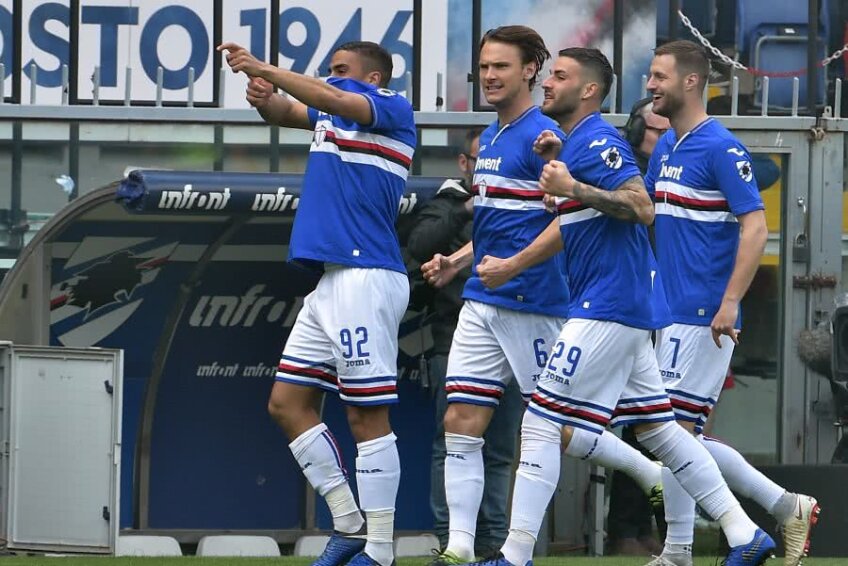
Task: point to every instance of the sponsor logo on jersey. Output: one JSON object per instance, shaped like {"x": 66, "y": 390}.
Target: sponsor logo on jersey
{"x": 489, "y": 163}
{"x": 669, "y": 172}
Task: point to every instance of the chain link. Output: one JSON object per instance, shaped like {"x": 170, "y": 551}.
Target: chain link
{"x": 836, "y": 55}
{"x": 706, "y": 43}
{"x": 737, "y": 65}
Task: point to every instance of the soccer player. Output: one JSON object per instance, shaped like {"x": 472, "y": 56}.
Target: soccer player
{"x": 504, "y": 333}
{"x": 443, "y": 226}
{"x": 710, "y": 235}
{"x": 345, "y": 337}
{"x": 602, "y": 369}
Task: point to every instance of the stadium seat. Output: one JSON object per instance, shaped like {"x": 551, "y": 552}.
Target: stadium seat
{"x": 784, "y": 48}
{"x": 237, "y": 545}
{"x": 773, "y": 36}
{"x": 144, "y": 545}
{"x": 702, "y": 14}
{"x": 754, "y": 14}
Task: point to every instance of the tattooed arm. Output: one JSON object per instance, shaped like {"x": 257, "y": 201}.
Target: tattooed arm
{"x": 629, "y": 201}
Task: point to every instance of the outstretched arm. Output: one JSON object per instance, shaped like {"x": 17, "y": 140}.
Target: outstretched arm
{"x": 308, "y": 90}
{"x": 629, "y": 201}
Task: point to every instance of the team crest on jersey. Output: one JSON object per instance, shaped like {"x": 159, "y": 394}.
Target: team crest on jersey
{"x": 481, "y": 189}
{"x": 319, "y": 135}
{"x": 386, "y": 92}
{"x": 744, "y": 169}
{"x": 612, "y": 157}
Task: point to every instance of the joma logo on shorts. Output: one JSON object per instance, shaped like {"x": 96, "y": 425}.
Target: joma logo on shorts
{"x": 669, "y": 374}
{"x": 558, "y": 378}
{"x": 357, "y": 363}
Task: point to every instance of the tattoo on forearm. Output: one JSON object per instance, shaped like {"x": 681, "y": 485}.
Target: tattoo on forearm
{"x": 620, "y": 203}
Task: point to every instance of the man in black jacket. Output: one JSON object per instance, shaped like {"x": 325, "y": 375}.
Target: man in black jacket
{"x": 443, "y": 226}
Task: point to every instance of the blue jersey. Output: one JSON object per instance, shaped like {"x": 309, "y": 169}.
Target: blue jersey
{"x": 612, "y": 272}
{"x": 701, "y": 183}
{"x": 354, "y": 181}
{"x": 509, "y": 213}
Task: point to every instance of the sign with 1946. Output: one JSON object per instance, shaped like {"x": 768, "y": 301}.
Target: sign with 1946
{"x": 171, "y": 42}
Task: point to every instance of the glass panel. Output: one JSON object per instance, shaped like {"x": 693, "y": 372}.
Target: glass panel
{"x": 45, "y": 159}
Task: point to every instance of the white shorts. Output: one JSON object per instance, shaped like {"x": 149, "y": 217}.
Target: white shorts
{"x": 601, "y": 373}
{"x": 345, "y": 338}
{"x": 491, "y": 345}
{"x": 693, "y": 369}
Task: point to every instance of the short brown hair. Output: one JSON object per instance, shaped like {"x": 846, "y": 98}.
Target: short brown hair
{"x": 528, "y": 41}
{"x": 689, "y": 58}
{"x": 596, "y": 62}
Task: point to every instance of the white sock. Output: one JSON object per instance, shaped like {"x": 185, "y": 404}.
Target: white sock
{"x": 784, "y": 507}
{"x": 742, "y": 477}
{"x": 699, "y": 475}
{"x": 679, "y": 514}
{"x": 377, "y": 477}
{"x": 737, "y": 526}
{"x": 463, "y": 491}
{"x": 535, "y": 483}
{"x": 318, "y": 455}
{"x": 610, "y": 451}
{"x": 517, "y": 545}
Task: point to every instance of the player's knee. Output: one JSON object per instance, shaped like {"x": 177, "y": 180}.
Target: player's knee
{"x": 287, "y": 410}
{"x": 277, "y": 410}
{"x": 368, "y": 423}
{"x": 467, "y": 419}
{"x": 536, "y": 428}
